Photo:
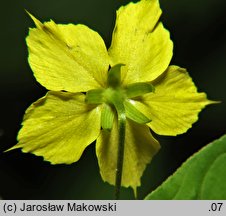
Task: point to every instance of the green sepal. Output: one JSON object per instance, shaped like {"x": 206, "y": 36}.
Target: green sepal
{"x": 134, "y": 114}
{"x": 94, "y": 96}
{"x": 138, "y": 89}
{"x": 114, "y": 76}
{"x": 107, "y": 117}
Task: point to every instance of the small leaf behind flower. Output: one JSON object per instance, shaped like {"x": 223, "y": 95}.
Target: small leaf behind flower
{"x": 107, "y": 117}
{"x": 134, "y": 114}
{"x": 202, "y": 176}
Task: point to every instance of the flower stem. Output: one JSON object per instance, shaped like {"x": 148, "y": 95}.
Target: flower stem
{"x": 121, "y": 142}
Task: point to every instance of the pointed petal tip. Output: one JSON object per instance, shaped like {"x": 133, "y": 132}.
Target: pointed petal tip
{"x": 214, "y": 102}
{"x": 10, "y": 149}
{"x": 135, "y": 191}
{"x": 36, "y": 21}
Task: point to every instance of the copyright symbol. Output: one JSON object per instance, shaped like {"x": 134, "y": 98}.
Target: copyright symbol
{"x": 9, "y": 207}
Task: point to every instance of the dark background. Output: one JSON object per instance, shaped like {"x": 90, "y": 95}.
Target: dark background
{"x": 198, "y": 29}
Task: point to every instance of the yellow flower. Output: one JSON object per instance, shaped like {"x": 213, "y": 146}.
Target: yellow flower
{"x": 70, "y": 60}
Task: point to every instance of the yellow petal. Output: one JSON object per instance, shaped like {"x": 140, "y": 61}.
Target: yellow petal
{"x": 140, "y": 147}
{"x": 67, "y": 57}
{"x": 175, "y": 104}
{"x": 59, "y": 127}
{"x": 140, "y": 42}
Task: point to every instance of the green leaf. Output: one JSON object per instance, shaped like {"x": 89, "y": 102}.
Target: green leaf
{"x": 134, "y": 114}
{"x": 94, "y": 96}
{"x": 202, "y": 176}
{"x": 114, "y": 76}
{"x": 138, "y": 89}
{"x": 107, "y": 117}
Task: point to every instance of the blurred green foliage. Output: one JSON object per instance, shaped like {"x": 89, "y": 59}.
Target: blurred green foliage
{"x": 198, "y": 30}
{"x": 201, "y": 177}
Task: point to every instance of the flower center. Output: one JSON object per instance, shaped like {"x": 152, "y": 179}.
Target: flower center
{"x": 116, "y": 99}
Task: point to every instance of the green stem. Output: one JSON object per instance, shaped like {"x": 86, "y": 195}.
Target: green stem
{"x": 121, "y": 141}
